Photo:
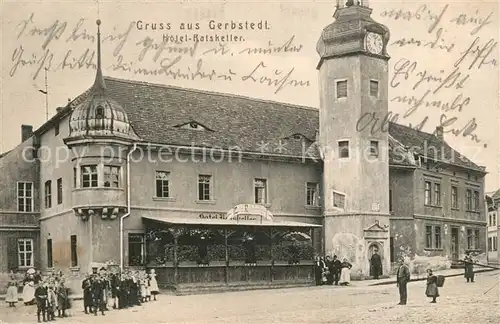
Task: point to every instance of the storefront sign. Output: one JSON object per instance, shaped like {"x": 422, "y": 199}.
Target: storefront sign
{"x": 224, "y": 216}
{"x": 250, "y": 209}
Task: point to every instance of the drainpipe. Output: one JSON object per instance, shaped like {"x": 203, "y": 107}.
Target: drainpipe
{"x": 128, "y": 205}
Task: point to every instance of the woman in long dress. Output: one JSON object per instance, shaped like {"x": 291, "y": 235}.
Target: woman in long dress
{"x": 153, "y": 284}
{"x": 11, "y": 297}
{"x": 29, "y": 290}
{"x": 432, "y": 289}
{"x": 345, "y": 273}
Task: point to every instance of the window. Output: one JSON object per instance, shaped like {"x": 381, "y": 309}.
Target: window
{"x": 338, "y": 200}
{"x": 111, "y": 176}
{"x": 473, "y": 239}
{"x": 468, "y": 199}
{"x": 312, "y": 194}
{"x": 470, "y": 239}
{"x": 437, "y": 194}
{"x": 374, "y": 148}
{"x": 390, "y": 200}
{"x": 136, "y": 250}
{"x": 162, "y": 184}
{"x": 428, "y": 236}
{"x": 99, "y": 113}
{"x": 48, "y": 194}
{"x": 75, "y": 176}
{"x": 495, "y": 243}
{"x": 427, "y": 194}
{"x": 56, "y": 129}
{"x": 204, "y": 187}
{"x": 25, "y": 253}
{"x": 454, "y": 197}
{"x": 343, "y": 149}
{"x": 74, "y": 251}
{"x": 342, "y": 89}
{"x": 374, "y": 88}
{"x": 437, "y": 237}
{"x": 490, "y": 244}
{"x": 25, "y": 196}
{"x": 89, "y": 176}
{"x": 59, "y": 191}
{"x": 476, "y": 201}
{"x": 494, "y": 220}
{"x": 260, "y": 191}
{"x": 49, "y": 253}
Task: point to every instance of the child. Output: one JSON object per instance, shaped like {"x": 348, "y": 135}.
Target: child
{"x": 432, "y": 289}
{"x": 11, "y": 296}
{"x": 153, "y": 283}
{"x": 62, "y": 298}
{"x": 41, "y": 301}
{"x": 51, "y": 302}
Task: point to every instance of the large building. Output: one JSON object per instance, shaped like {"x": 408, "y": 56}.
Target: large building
{"x": 493, "y": 206}
{"x": 126, "y": 158}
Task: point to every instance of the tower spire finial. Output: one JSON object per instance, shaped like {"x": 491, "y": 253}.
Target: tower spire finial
{"x": 99, "y": 84}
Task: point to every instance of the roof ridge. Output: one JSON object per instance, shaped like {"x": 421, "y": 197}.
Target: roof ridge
{"x": 223, "y": 94}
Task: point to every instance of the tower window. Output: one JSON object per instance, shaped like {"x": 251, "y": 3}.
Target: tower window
{"x": 374, "y": 88}
{"x": 343, "y": 149}
{"x": 374, "y": 148}
{"x": 99, "y": 112}
{"x": 338, "y": 200}
{"x": 342, "y": 89}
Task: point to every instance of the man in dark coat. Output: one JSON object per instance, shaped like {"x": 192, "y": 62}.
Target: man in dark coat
{"x": 329, "y": 265}
{"x": 375, "y": 265}
{"x": 403, "y": 277}
{"x": 337, "y": 268}
{"x": 87, "y": 294}
{"x": 98, "y": 295}
{"x": 41, "y": 296}
{"x": 317, "y": 271}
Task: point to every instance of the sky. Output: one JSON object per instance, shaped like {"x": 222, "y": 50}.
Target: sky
{"x": 443, "y": 67}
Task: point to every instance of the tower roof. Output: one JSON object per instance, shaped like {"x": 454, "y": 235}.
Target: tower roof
{"x": 346, "y": 34}
{"x": 99, "y": 115}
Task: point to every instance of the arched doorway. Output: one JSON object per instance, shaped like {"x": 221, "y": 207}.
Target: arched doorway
{"x": 375, "y": 247}
{"x": 377, "y": 269}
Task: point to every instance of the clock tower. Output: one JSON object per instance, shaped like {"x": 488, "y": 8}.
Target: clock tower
{"x": 353, "y": 83}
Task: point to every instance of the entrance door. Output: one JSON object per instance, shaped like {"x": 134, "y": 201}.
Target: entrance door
{"x": 455, "y": 250}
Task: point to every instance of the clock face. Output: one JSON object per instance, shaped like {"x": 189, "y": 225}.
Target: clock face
{"x": 374, "y": 43}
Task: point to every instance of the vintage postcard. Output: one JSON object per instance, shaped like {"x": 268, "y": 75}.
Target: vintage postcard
{"x": 249, "y": 161}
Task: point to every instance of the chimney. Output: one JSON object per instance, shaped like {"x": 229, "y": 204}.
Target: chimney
{"x": 439, "y": 133}
{"x": 26, "y": 132}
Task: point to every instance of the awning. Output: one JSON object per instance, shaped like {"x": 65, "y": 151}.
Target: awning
{"x": 227, "y": 222}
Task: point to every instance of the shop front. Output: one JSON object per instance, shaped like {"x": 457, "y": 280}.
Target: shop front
{"x": 245, "y": 247}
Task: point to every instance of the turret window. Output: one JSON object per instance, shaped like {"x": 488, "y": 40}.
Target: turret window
{"x": 99, "y": 113}
{"x": 89, "y": 176}
{"x": 111, "y": 176}
{"x": 374, "y": 88}
{"x": 341, "y": 89}
{"x": 343, "y": 149}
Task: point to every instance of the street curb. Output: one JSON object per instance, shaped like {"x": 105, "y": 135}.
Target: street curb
{"x": 424, "y": 278}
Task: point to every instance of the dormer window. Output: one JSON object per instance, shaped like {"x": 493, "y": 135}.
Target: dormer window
{"x": 192, "y": 125}
{"x": 99, "y": 113}
{"x": 297, "y": 136}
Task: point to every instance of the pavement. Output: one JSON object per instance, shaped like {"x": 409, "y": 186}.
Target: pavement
{"x": 459, "y": 302}
{"x": 388, "y": 280}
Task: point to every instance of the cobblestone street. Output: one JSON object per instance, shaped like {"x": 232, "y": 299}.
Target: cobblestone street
{"x": 460, "y": 303}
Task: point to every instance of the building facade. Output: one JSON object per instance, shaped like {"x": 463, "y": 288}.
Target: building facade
{"x": 492, "y": 206}
{"x": 126, "y": 150}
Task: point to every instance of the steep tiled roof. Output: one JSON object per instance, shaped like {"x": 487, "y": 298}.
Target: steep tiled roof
{"x": 252, "y": 125}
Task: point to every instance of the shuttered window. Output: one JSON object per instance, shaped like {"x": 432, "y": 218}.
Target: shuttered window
{"x": 374, "y": 88}
{"x": 342, "y": 89}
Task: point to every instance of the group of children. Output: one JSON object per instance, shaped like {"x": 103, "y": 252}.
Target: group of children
{"x": 126, "y": 290}
{"x": 49, "y": 294}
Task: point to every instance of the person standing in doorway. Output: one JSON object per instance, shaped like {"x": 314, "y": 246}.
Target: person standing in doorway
{"x": 376, "y": 265}
{"x": 403, "y": 277}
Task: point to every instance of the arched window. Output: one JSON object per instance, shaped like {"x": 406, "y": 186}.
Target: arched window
{"x": 99, "y": 113}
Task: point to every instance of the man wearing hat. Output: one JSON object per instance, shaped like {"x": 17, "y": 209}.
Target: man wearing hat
{"x": 403, "y": 277}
